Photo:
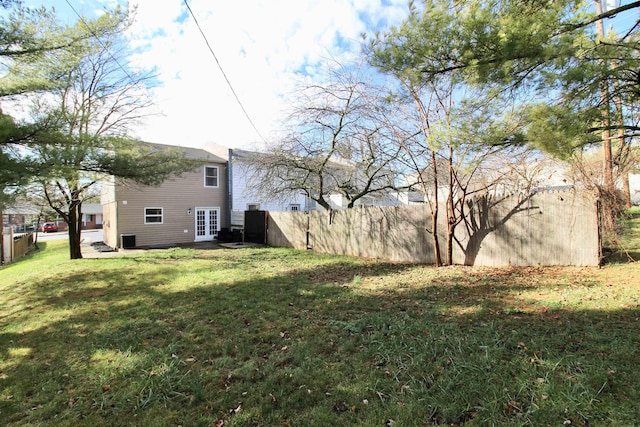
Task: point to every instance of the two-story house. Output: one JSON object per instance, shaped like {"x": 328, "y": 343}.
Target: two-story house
{"x": 189, "y": 208}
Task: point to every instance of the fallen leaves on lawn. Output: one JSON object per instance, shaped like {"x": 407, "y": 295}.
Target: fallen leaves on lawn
{"x": 512, "y": 407}
{"x": 340, "y": 407}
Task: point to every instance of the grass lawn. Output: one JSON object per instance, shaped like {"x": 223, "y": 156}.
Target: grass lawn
{"x": 628, "y": 248}
{"x": 274, "y": 337}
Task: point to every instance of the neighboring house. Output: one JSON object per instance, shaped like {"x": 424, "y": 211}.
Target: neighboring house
{"x": 339, "y": 201}
{"x": 634, "y": 187}
{"x": 498, "y": 178}
{"x": 244, "y": 198}
{"x": 21, "y": 218}
{"x": 557, "y": 174}
{"x": 91, "y": 216}
{"x": 419, "y": 186}
{"x": 410, "y": 197}
{"x": 186, "y": 209}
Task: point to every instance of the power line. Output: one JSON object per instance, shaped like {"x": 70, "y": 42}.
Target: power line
{"x": 99, "y": 41}
{"x": 222, "y": 71}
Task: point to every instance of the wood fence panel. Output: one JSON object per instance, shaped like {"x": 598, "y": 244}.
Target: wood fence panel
{"x": 546, "y": 228}
{"x": 21, "y": 245}
{"x": 15, "y": 247}
{"x": 406, "y": 238}
{"x": 287, "y": 229}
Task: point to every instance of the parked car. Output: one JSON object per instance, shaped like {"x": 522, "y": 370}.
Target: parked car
{"x": 49, "y": 227}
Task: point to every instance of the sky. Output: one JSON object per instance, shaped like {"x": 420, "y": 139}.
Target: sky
{"x": 262, "y": 46}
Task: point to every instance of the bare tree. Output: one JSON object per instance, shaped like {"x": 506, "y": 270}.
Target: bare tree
{"x": 337, "y": 142}
{"x": 452, "y": 140}
{"x": 83, "y": 125}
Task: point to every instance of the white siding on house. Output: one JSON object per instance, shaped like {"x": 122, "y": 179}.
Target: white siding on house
{"x": 243, "y": 195}
{"x": 338, "y": 201}
{"x": 634, "y": 187}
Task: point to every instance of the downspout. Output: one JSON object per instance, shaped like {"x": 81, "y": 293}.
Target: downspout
{"x": 1, "y": 237}
{"x": 117, "y": 225}
{"x": 230, "y": 185}
{"x": 114, "y": 221}
{"x": 11, "y": 245}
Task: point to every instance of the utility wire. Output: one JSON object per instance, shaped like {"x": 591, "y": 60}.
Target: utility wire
{"x": 99, "y": 41}
{"x": 223, "y": 73}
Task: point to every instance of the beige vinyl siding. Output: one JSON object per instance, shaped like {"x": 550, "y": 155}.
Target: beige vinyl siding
{"x": 109, "y": 224}
{"x": 175, "y": 197}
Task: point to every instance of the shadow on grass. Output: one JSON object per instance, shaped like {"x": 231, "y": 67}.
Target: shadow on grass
{"x": 253, "y": 340}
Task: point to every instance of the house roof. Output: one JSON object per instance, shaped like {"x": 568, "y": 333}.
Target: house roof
{"x": 248, "y": 156}
{"x": 91, "y": 208}
{"x": 87, "y": 208}
{"x": 21, "y": 210}
{"x": 190, "y": 152}
{"x": 245, "y": 154}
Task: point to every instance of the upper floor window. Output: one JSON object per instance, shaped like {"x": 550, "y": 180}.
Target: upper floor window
{"x": 294, "y": 208}
{"x": 210, "y": 176}
{"x": 153, "y": 216}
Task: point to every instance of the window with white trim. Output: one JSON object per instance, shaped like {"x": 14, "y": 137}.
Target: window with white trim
{"x": 294, "y": 208}
{"x": 153, "y": 215}
{"x": 211, "y": 176}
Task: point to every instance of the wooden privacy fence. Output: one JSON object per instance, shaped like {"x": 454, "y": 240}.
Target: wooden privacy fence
{"x": 545, "y": 228}
{"x": 15, "y": 247}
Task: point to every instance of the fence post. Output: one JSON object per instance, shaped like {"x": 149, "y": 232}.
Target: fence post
{"x": 11, "y": 245}
{"x": 1, "y": 237}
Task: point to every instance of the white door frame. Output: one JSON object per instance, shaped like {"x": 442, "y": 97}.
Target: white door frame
{"x": 207, "y": 223}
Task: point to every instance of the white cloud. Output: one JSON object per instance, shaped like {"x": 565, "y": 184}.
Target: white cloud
{"x": 261, "y": 45}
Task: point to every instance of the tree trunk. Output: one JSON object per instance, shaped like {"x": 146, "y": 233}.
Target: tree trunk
{"x": 607, "y": 166}
{"x": 322, "y": 202}
{"x": 434, "y": 212}
{"x": 74, "y": 223}
{"x": 451, "y": 215}
{"x": 626, "y": 190}
{"x": 622, "y": 158}
{"x": 450, "y": 231}
{"x": 436, "y": 243}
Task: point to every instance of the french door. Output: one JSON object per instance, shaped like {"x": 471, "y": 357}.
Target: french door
{"x": 207, "y": 223}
